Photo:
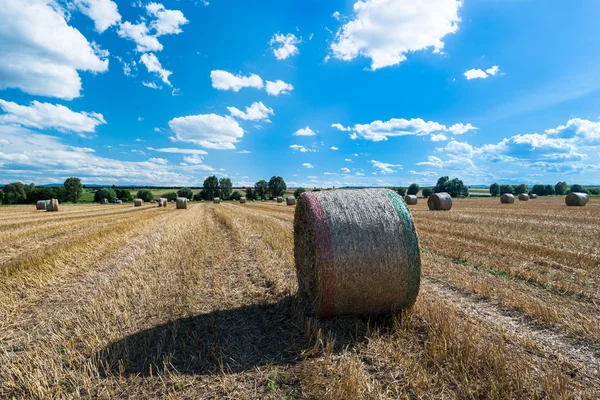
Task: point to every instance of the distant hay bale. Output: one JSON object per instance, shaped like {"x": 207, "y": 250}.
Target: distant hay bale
{"x": 411, "y": 199}
{"x": 242, "y": 200}
{"x": 104, "y": 201}
{"x": 41, "y": 205}
{"x": 182, "y": 203}
{"x": 216, "y": 200}
{"x": 52, "y": 205}
{"x": 533, "y": 196}
{"x": 290, "y": 200}
{"x": 507, "y": 198}
{"x": 576, "y": 199}
{"x": 162, "y": 202}
{"x": 356, "y": 252}
{"x": 119, "y": 202}
{"x": 439, "y": 202}
{"x": 523, "y": 197}
{"x": 280, "y": 199}
{"x": 138, "y": 202}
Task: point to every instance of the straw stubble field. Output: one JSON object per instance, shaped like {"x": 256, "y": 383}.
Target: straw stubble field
{"x": 123, "y": 302}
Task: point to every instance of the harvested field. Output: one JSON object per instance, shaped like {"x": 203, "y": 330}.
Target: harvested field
{"x": 139, "y": 302}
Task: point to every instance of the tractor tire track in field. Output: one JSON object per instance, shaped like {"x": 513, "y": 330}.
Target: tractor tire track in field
{"x": 582, "y": 356}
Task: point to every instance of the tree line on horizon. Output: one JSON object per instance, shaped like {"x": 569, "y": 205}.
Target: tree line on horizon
{"x": 560, "y": 188}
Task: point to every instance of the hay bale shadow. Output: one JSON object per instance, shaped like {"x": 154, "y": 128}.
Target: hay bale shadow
{"x": 229, "y": 341}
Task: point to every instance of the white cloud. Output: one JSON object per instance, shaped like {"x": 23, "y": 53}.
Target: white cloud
{"x": 193, "y": 159}
{"x": 256, "y": 112}
{"x": 432, "y": 161}
{"x": 224, "y": 80}
{"x": 140, "y": 34}
{"x": 175, "y": 150}
{"x": 302, "y": 149}
{"x": 275, "y": 88}
{"x": 336, "y": 15}
{"x": 243, "y": 152}
{"x": 346, "y": 170}
{"x": 424, "y": 173}
{"x": 160, "y": 161}
{"x": 304, "y": 132}
{"x": 167, "y": 22}
{"x": 307, "y": 165}
{"x": 334, "y": 148}
{"x": 153, "y": 65}
{"x": 480, "y": 74}
{"x": 341, "y": 127}
{"x": 45, "y": 115}
{"x": 41, "y": 53}
{"x": 348, "y": 159}
{"x": 460, "y": 128}
{"x": 151, "y": 85}
{"x": 104, "y": 13}
{"x": 438, "y": 137}
{"x": 386, "y": 30}
{"x": 385, "y": 168}
{"x": 284, "y": 46}
{"x": 207, "y": 130}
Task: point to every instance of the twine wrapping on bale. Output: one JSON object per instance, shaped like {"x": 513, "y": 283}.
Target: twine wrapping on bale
{"x": 356, "y": 252}
{"x": 523, "y": 197}
{"x": 216, "y": 200}
{"x": 52, "y": 205}
{"x": 41, "y": 205}
{"x": 440, "y": 201}
{"x": 242, "y": 200}
{"x": 507, "y": 198}
{"x": 138, "y": 202}
{"x": 182, "y": 203}
{"x": 533, "y": 196}
{"x": 290, "y": 200}
{"x": 576, "y": 199}
{"x": 411, "y": 199}
{"x": 280, "y": 199}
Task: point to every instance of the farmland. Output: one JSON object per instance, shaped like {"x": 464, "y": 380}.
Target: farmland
{"x": 115, "y": 301}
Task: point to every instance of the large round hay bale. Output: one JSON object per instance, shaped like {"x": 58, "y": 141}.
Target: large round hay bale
{"x": 439, "y": 201}
{"x": 280, "y": 199}
{"x": 41, "y": 205}
{"x": 52, "y": 205}
{"x": 138, "y": 202}
{"x": 216, "y": 200}
{"x": 533, "y": 196}
{"x": 290, "y": 200}
{"x": 356, "y": 252}
{"x": 242, "y": 200}
{"x": 576, "y": 199}
{"x": 411, "y": 199}
{"x": 523, "y": 197}
{"x": 507, "y": 198}
{"x": 182, "y": 203}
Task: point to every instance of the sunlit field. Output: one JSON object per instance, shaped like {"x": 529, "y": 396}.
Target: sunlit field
{"x": 117, "y": 301}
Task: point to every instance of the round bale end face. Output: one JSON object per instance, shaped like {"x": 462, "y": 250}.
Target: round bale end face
{"x": 523, "y": 197}
{"x": 439, "y": 202}
{"x": 411, "y": 199}
{"x": 138, "y": 202}
{"x": 533, "y": 196}
{"x": 216, "y": 200}
{"x": 52, "y": 205}
{"x": 280, "y": 199}
{"x": 41, "y": 205}
{"x": 182, "y": 203}
{"x": 507, "y": 198}
{"x": 576, "y": 199}
{"x": 290, "y": 200}
{"x": 242, "y": 200}
{"x": 356, "y": 252}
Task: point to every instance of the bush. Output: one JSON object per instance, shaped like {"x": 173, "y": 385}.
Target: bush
{"x": 427, "y": 192}
{"x": 594, "y": 191}
{"x": 236, "y": 195}
{"x": 299, "y": 191}
{"x": 507, "y": 189}
{"x": 104, "y": 193}
{"x": 185, "y": 192}
{"x": 413, "y": 188}
{"x": 494, "y": 189}
{"x": 146, "y": 195}
{"x": 401, "y": 191}
{"x": 560, "y": 188}
{"x": 197, "y": 196}
{"x": 549, "y": 189}
{"x": 577, "y": 188}
{"x": 124, "y": 194}
{"x": 522, "y": 188}
{"x": 171, "y": 196}
{"x": 540, "y": 190}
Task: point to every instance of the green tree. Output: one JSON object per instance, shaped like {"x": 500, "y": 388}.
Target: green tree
{"x": 197, "y": 196}
{"x": 124, "y": 194}
{"x": 171, "y": 196}
{"x": 494, "y": 189}
{"x": 41, "y": 193}
{"x": 250, "y": 194}
{"x": 560, "y": 188}
{"x": 427, "y": 192}
{"x": 401, "y": 191}
{"x": 577, "y": 188}
{"x": 145, "y": 194}
{"x": 225, "y": 187}
{"x": 261, "y": 188}
{"x": 211, "y": 188}
{"x": 454, "y": 187}
{"x": 277, "y": 186}
{"x": 73, "y": 189}
{"x": 441, "y": 185}
{"x": 14, "y": 193}
{"x": 185, "y": 192}
{"x": 540, "y": 190}
{"x": 507, "y": 189}
{"x": 60, "y": 193}
{"x": 236, "y": 195}
{"x": 104, "y": 193}
{"x": 522, "y": 188}
{"x": 549, "y": 189}
{"x": 413, "y": 188}
{"x": 299, "y": 191}
{"x": 594, "y": 191}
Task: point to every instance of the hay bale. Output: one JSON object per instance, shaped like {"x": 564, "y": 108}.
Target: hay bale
{"x": 52, "y": 205}
{"x": 290, "y": 200}
{"x": 216, "y": 200}
{"x": 507, "y": 198}
{"x": 41, "y": 205}
{"x": 162, "y": 202}
{"x": 356, "y": 252}
{"x": 533, "y": 196}
{"x": 104, "y": 201}
{"x": 576, "y": 199}
{"x": 119, "y": 202}
{"x": 242, "y": 200}
{"x": 439, "y": 202}
{"x": 523, "y": 197}
{"x": 280, "y": 199}
{"x": 411, "y": 199}
{"x": 138, "y": 202}
{"x": 182, "y": 203}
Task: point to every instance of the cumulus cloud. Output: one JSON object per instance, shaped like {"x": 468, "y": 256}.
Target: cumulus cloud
{"x": 153, "y": 65}
{"x": 302, "y": 149}
{"x": 307, "y": 165}
{"x": 334, "y": 148}
{"x": 438, "y": 137}
{"x": 385, "y": 168}
{"x": 345, "y": 170}
{"x": 224, "y": 80}
{"x": 104, "y": 13}
{"x": 284, "y": 46}
{"x": 375, "y": 34}
{"x": 140, "y": 34}
{"x": 275, "y": 88}
{"x": 480, "y": 74}
{"x": 156, "y": 160}
{"x": 151, "y": 85}
{"x": 176, "y": 150}
{"x": 341, "y": 127}
{"x": 50, "y": 116}
{"x": 256, "y": 112}
{"x": 207, "y": 130}
{"x": 460, "y": 128}
{"x": 304, "y": 132}
{"x": 423, "y": 173}
{"x": 43, "y": 61}
{"x": 166, "y": 22}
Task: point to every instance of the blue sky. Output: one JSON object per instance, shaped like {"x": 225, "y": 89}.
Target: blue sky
{"x": 371, "y": 92}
